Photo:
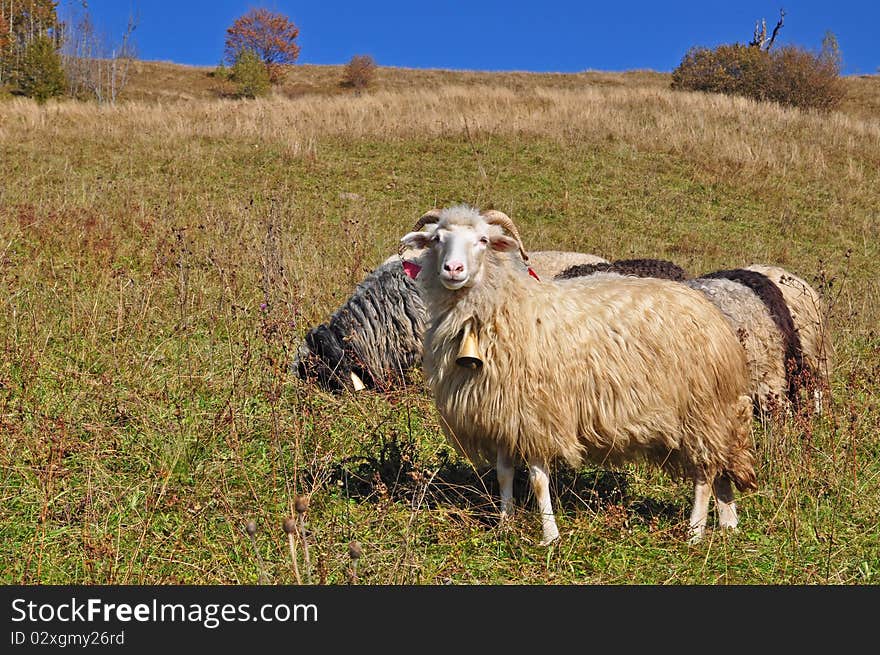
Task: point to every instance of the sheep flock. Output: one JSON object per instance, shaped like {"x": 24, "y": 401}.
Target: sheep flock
{"x": 559, "y": 357}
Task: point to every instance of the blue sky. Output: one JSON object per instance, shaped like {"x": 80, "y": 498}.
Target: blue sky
{"x": 547, "y": 35}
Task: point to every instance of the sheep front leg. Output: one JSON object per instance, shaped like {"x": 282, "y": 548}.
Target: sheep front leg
{"x": 504, "y": 471}
{"x": 540, "y": 480}
{"x": 724, "y": 500}
{"x": 700, "y": 512}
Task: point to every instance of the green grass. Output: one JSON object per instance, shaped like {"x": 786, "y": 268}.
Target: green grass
{"x": 146, "y": 412}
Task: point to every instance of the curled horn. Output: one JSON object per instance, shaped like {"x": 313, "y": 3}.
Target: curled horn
{"x": 495, "y": 217}
{"x": 431, "y": 216}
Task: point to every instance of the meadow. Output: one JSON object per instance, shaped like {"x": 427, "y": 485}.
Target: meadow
{"x": 161, "y": 260}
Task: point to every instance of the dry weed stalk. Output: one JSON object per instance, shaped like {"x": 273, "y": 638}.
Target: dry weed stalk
{"x": 354, "y": 553}
{"x": 302, "y": 505}
{"x": 290, "y": 528}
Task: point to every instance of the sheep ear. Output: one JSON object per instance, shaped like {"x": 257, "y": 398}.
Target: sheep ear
{"x": 416, "y": 240}
{"x": 411, "y": 269}
{"x": 503, "y": 243}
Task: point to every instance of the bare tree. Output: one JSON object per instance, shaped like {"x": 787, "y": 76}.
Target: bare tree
{"x": 95, "y": 65}
{"x": 759, "y": 39}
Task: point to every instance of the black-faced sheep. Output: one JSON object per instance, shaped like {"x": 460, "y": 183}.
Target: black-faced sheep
{"x": 373, "y": 340}
{"x": 595, "y": 368}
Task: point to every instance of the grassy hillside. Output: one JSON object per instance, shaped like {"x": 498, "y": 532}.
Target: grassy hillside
{"x": 160, "y": 261}
{"x": 162, "y": 82}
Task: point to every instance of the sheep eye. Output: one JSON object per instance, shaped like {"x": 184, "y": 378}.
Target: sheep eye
{"x": 435, "y": 238}
{"x": 484, "y": 240}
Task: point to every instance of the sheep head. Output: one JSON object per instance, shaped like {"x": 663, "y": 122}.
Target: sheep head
{"x": 460, "y": 238}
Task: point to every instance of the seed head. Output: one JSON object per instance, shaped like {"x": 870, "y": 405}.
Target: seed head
{"x": 289, "y": 525}
{"x": 301, "y": 504}
{"x": 251, "y": 528}
{"x": 354, "y": 550}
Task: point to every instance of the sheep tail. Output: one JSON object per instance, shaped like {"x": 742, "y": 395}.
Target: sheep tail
{"x": 741, "y": 456}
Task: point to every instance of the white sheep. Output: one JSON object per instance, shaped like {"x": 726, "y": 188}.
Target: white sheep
{"x": 809, "y": 314}
{"x": 602, "y": 368}
{"x": 761, "y": 339}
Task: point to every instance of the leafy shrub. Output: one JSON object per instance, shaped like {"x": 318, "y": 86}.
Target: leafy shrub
{"x": 221, "y": 73}
{"x": 733, "y": 69}
{"x": 359, "y": 73}
{"x": 250, "y": 75}
{"x": 790, "y": 76}
{"x": 40, "y": 75}
{"x": 801, "y": 79}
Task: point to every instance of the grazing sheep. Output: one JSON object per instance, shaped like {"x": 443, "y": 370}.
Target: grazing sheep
{"x": 659, "y": 268}
{"x": 375, "y": 338}
{"x": 765, "y": 346}
{"x": 597, "y": 368}
{"x": 372, "y": 340}
{"x": 808, "y": 312}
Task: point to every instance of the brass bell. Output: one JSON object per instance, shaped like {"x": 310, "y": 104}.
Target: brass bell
{"x": 469, "y": 350}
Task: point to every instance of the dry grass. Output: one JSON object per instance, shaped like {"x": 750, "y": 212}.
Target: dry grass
{"x": 731, "y": 131}
{"x": 160, "y": 260}
{"x": 862, "y": 97}
{"x": 632, "y": 107}
{"x": 163, "y": 81}
{"x": 166, "y": 82}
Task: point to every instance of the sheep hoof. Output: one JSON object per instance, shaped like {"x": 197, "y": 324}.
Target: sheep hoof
{"x": 696, "y": 536}
{"x": 549, "y": 539}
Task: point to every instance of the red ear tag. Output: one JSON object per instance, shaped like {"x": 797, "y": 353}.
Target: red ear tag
{"x": 533, "y": 274}
{"x": 411, "y": 269}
